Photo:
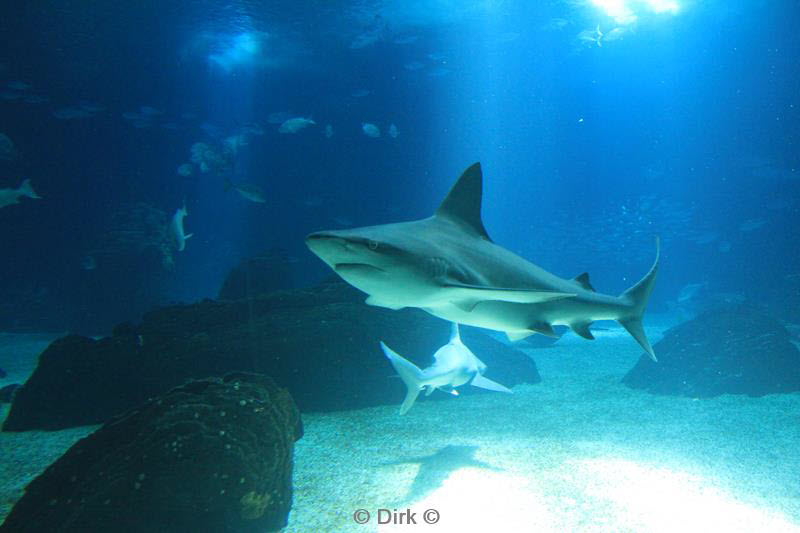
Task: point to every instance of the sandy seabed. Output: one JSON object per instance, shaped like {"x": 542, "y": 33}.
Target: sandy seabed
{"x": 577, "y": 452}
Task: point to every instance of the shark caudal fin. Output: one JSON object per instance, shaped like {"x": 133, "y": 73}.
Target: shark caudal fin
{"x": 637, "y": 297}
{"x": 409, "y": 373}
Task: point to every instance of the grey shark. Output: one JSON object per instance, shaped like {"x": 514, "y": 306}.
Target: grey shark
{"x": 454, "y": 364}
{"x": 447, "y": 265}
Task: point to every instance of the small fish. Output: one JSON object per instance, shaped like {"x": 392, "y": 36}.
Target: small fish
{"x": 370, "y": 130}
{"x": 293, "y": 125}
{"x": 88, "y": 262}
{"x": 7, "y": 150}
{"x": 248, "y": 191}
{"x": 328, "y": 131}
{"x": 176, "y": 227}
{"x": 12, "y": 196}
{"x": 393, "y": 133}
{"x": 18, "y": 85}
{"x": 185, "y": 169}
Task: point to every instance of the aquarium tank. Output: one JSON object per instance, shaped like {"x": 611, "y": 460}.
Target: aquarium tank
{"x": 399, "y": 265}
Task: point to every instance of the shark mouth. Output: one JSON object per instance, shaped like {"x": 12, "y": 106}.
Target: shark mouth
{"x": 356, "y": 267}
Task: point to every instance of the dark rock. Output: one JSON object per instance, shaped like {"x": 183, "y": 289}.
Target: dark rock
{"x": 7, "y": 392}
{"x": 210, "y": 456}
{"x": 320, "y": 343}
{"x": 262, "y": 274}
{"x": 735, "y": 350}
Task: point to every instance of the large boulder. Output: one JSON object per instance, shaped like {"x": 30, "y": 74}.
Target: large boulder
{"x": 210, "y": 456}
{"x": 320, "y": 343}
{"x": 733, "y": 350}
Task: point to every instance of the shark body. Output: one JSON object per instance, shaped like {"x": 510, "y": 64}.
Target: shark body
{"x": 454, "y": 365}
{"x": 12, "y": 196}
{"x": 448, "y": 266}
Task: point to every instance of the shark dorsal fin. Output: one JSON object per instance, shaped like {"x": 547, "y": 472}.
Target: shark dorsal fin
{"x": 463, "y": 202}
{"x": 583, "y": 281}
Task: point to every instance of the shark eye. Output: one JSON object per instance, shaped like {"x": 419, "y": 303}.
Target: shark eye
{"x": 373, "y": 245}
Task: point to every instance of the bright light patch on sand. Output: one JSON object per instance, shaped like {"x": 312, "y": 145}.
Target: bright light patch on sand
{"x": 480, "y": 500}
{"x": 650, "y": 498}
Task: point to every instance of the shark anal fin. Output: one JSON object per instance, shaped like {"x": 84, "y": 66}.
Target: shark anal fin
{"x": 583, "y": 281}
{"x": 544, "y": 328}
{"x": 486, "y": 383}
{"x": 582, "y": 329}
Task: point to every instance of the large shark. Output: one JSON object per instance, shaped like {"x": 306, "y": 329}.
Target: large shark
{"x": 454, "y": 364}
{"x": 447, "y": 265}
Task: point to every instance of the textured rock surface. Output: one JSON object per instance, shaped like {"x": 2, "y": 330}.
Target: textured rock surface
{"x": 210, "y": 456}
{"x": 320, "y": 343}
{"x": 735, "y": 350}
{"x": 262, "y": 274}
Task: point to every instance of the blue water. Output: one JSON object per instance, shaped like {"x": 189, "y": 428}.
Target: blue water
{"x": 681, "y": 123}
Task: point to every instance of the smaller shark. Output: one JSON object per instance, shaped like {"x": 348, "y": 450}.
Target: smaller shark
{"x": 12, "y": 196}
{"x": 454, "y": 364}
{"x": 176, "y": 228}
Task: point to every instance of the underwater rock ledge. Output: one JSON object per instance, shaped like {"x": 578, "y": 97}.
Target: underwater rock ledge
{"x": 321, "y": 343}
{"x": 210, "y": 456}
{"x": 731, "y": 350}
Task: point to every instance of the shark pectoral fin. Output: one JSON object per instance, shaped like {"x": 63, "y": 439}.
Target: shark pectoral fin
{"x": 522, "y": 296}
{"x": 582, "y": 329}
{"x": 429, "y": 390}
{"x": 518, "y": 335}
{"x": 486, "y": 383}
{"x": 377, "y": 302}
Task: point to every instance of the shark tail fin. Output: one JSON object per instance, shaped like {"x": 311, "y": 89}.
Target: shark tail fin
{"x": 26, "y": 189}
{"x": 409, "y": 373}
{"x": 637, "y": 297}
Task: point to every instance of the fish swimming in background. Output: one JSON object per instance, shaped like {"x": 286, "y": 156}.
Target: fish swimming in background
{"x": 454, "y": 364}
{"x": 393, "y": 133}
{"x": 176, "y": 228}
{"x": 12, "y": 196}
{"x": 248, "y": 191}
{"x": 448, "y": 265}
{"x": 370, "y": 130}
{"x": 328, "y": 131}
{"x": 293, "y": 125}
